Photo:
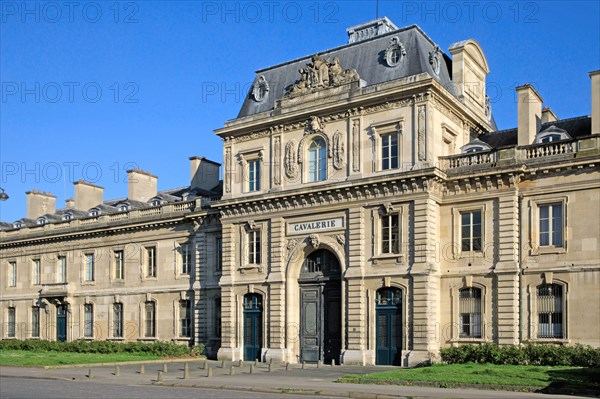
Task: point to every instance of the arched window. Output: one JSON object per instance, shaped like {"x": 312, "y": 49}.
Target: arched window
{"x": 550, "y": 311}
{"x": 320, "y": 261}
{"x": 470, "y": 312}
{"x": 317, "y": 160}
{"x": 550, "y": 138}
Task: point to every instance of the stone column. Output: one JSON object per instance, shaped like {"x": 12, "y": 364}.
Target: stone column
{"x": 229, "y": 317}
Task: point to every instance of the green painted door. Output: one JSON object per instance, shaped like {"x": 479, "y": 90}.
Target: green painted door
{"x": 61, "y": 323}
{"x": 252, "y": 327}
{"x": 388, "y": 327}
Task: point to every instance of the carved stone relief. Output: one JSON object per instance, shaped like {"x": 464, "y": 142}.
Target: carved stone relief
{"x": 435, "y": 59}
{"x": 314, "y": 240}
{"x": 228, "y": 169}
{"x": 356, "y": 145}
{"x": 394, "y": 52}
{"x": 338, "y": 150}
{"x": 260, "y": 89}
{"x": 277, "y": 161}
{"x": 320, "y": 74}
{"x": 421, "y": 131}
{"x": 290, "y": 165}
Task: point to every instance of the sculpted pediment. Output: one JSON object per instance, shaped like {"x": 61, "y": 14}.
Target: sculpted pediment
{"x": 321, "y": 73}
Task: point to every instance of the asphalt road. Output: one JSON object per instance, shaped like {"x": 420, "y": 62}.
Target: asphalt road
{"x": 37, "y": 388}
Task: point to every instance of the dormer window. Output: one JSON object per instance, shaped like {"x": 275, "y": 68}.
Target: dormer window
{"x": 67, "y": 216}
{"x": 551, "y": 134}
{"x": 17, "y": 225}
{"x": 41, "y": 221}
{"x": 471, "y": 150}
{"x": 94, "y": 212}
{"x": 155, "y": 202}
{"x": 123, "y": 208}
{"x": 475, "y": 146}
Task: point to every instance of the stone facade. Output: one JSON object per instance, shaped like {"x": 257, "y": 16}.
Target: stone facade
{"x": 365, "y": 218}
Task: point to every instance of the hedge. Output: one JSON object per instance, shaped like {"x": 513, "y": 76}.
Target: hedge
{"x": 156, "y": 348}
{"x": 534, "y": 354}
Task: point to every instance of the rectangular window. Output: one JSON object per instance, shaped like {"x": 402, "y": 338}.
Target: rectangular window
{"x": 37, "y": 272}
{"x": 185, "y": 319}
{"x": 12, "y": 274}
{"x": 62, "y": 269}
{"x": 470, "y": 231}
{"x": 88, "y": 327}
{"x": 470, "y": 312}
{"x": 219, "y": 253}
{"x": 186, "y": 259}
{"x": 35, "y": 322}
{"x": 150, "y": 311}
{"x": 551, "y": 225}
{"x": 254, "y": 175}
{"x": 151, "y": 262}
{"x": 118, "y": 320}
{"x": 390, "y": 234}
{"x": 11, "y": 323}
{"x": 389, "y": 151}
{"x": 549, "y": 307}
{"x": 119, "y": 265}
{"x": 218, "y": 317}
{"x": 89, "y": 267}
{"x": 254, "y": 247}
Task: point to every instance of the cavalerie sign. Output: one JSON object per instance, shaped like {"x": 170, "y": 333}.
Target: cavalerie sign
{"x": 315, "y": 225}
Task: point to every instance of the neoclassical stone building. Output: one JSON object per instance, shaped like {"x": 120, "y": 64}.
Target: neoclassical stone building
{"x": 369, "y": 212}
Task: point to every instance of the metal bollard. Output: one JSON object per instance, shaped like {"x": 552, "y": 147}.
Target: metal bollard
{"x": 271, "y": 361}
{"x": 117, "y": 371}
{"x": 319, "y": 364}
{"x": 332, "y": 362}
{"x": 142, "y": 369}
{"x": 90, "y": 374}
{"x": 165, "y": 368}
{"x": 251, "y": 369}
{"x": 231, "y": 370}
{"x": 205, "y": 366}
{"x": 186, "y": 371}
{"x": 209, "y": 372}
{"x": 159, "y": 379}
{"x": 256, "y": 362}
{"x": 287, "y": 367}
{"x": 270, "y": 367}
{"x": 241, "y": 364}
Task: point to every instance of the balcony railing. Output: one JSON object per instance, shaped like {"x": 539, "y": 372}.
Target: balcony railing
{"x": 549, "y": 149}
{"x": 487, "y": 158}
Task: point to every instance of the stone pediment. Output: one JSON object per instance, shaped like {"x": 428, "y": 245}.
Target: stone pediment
{"x": 319, "y": 74}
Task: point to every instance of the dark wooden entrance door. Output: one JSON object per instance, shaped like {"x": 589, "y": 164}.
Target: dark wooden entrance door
{"x": 252, "y": 327}
{"x": 388, "y": 327}
{"x": 320, "y": 308}
{"x": 61, "y": 323}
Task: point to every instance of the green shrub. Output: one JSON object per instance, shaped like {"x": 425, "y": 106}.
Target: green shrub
{"x": 536, "y": 354}
{"x": 165, "y": 349}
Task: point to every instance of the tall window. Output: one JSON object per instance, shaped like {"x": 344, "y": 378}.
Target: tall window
{"x": 389, "y": 151}
{"x": 218, "y": 317}
{"x": 390, "y": 234}
{"x": 550, "y": 311}
{"x": 150, "y": 311}
{"x": 470, "y": 231}
{"x": 37, "y": 272}
{"x": 35, "y": 322}
{"x": 89, "y": 267}
{"x": 11, "y": 322}
{"x": 551, "y": 225}
{"x": 119, "y": 265}
{"x": 470, "y": 312}
{"x": 12, "y": 274}
{"x": 254, "y": 247}
{"x": 151, "y": 262}
{"x": 219, "y": 253}
{"x": 317, "y": 160}
{"x": 62, "y": 269}
{"x": 88, "y": 327}
{"x": 186, "y": 258}
{"x": 185, "y": 318}
{"x": 254, "y": 175}
{"x": 118, "y": 320}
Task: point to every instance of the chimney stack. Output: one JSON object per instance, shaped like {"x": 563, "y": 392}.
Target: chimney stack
{"x": 529, "y": 109}
{"x": 40, "y": 203}
{"x": 595, "y": 76}
{"x": 548, "y": 115}
{"x": 141, "y": 185}
{"x": 204, "y": 173}
{"x": 87, "y": 195}
{"x": 69, "y": 203}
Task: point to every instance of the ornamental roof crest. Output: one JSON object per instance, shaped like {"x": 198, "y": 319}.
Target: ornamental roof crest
{"x": 321, "y": 73}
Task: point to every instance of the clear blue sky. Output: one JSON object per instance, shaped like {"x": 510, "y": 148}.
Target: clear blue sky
{"x": 92, "y": 88}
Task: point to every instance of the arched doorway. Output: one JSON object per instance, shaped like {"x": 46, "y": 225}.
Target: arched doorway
{"x": 252, "y": 326}
{"x": 388, "y": 327}
{"x": 320, "y": 308}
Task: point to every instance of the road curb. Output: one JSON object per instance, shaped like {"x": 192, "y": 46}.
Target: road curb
{"x": 134, "y": 362}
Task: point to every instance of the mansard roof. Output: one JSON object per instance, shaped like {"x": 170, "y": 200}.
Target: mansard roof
{"x": 575, "y": 127}
{"x": 367, "y": 57}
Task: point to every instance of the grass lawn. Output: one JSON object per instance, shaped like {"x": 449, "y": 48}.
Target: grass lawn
{"x": 50, "y": 358}
{"x": 543, "y": 378}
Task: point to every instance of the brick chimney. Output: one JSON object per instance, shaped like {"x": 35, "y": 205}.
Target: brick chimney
{"x": 141, "y": 185}
{"x": 529, "y": 109}
{"x": 204, "y": 173}
{"x": 87, "y": 195}
{"x": 40, "y": 203}
{"x": 548, "y": 115}
{"x": 595, "y": 76}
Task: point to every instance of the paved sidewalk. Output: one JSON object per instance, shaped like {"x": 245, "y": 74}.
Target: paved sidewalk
{"x": 310, "y": 381}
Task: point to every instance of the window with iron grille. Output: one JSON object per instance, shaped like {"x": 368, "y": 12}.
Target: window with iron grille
{"x": 117, "y": 320}
{"x": 550, "y": 311}
{"x": 551, "y": 225}
{"x": 185, "y": 318}
{"x": 150, "y": 313}
{"x": 11, "y": 332}
{"x": 88, "y": 327}
{"x": 470, "y": 312}
{"x": 470, "y": 231}
{"x": 35, "y": 322}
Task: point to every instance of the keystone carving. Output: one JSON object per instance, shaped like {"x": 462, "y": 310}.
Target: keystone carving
{"x": 314, "y": 240}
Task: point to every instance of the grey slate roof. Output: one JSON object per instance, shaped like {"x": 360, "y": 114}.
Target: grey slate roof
{"x": 576, "y": 127}
{"x": 367, "y": 57}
